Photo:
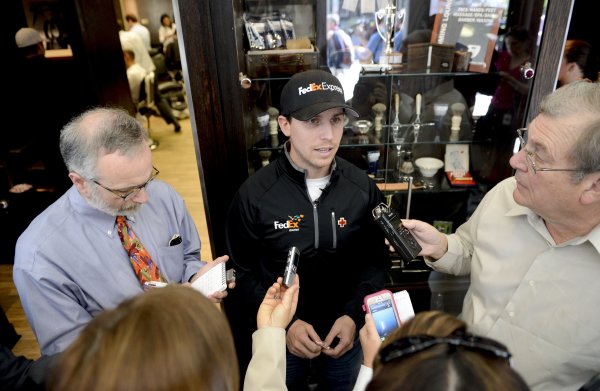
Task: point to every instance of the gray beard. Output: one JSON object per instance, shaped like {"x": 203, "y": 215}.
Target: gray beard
{"x": 96, "y": 202}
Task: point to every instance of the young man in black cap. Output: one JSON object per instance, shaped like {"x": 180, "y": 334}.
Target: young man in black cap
{"x": 321, "y": 204}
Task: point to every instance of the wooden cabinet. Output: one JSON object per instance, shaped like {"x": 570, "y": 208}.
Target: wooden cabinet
{"x": 230, "y": 146}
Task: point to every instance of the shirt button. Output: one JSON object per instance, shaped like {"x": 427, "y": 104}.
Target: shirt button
{"x": 511, "y": 314}
{"x": 109, "y": 232}
{"x": 531, "y": 283}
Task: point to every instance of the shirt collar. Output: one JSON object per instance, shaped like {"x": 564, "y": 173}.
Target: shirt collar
{"x": 286, "y": 149}
{"x": 101, "y": 220}
{"x": 539, "y": 225}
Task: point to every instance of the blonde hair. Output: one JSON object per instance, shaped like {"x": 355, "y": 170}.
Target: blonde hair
{"x": 442, "y": 367}
{"x": 170, "y": 338}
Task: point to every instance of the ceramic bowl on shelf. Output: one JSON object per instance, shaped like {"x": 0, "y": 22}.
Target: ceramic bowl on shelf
{"x": 362, "y": 126}
{"x": 428, "y": 166}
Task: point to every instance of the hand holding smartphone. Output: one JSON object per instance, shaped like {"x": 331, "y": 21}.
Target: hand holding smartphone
{"x": 389, "y": 311}
{"x": 382, "y": 308}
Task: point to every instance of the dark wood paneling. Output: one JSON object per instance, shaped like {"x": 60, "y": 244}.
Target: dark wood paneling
{"x": 550, "y": 53}
{"x": 206, "y": 32}
{"x": 97, "y": 51}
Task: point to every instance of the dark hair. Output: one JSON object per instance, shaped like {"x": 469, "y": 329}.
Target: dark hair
{"x": 164, "y": 16}
{"x": 519, "y": 33}
{"x": 580, "y": 52}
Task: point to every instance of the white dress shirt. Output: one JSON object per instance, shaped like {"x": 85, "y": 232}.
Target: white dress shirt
{"x": 540, "y": 299}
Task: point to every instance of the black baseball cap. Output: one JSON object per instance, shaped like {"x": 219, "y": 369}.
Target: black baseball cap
{"x": 311, "y": 92}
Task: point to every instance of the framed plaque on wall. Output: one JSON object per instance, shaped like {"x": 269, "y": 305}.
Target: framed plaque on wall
{"x": 474, "y": 27}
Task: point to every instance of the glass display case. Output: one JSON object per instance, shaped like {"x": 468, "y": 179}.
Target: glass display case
{"x": 426, "y": 90}
{"x": 436, "y": 114}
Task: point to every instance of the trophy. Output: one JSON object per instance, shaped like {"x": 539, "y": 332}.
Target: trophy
{"x": 273, "y": 125}
{"x": 387, "y": 17}
{"x": 457, "y": 112}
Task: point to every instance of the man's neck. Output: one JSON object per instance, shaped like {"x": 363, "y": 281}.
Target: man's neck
{"x": 309, "y": 174}
{"x": 572, "y": 227}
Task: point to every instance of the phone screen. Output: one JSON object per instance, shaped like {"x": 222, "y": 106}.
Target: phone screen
{"x": 384, "y": 317}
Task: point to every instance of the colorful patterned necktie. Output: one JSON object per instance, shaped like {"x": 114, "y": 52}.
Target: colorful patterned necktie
{"x": 144, "y": 267}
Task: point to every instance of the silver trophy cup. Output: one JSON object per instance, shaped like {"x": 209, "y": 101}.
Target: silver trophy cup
{"x": 385, "y": 20}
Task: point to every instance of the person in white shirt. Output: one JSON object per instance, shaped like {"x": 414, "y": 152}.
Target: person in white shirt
{"x": 135, "y": 74}
{"x": 136, "y": 27}
{"x": 532, "y": 247}
{"x": 167, "y": 32}
{"x": 132, "y": 41}
{"x": 167, "y": 35}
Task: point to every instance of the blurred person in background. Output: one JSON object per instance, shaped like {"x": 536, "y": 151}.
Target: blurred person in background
{"x": 578, "y": 62}
{"x": 135, "y": 26}
{"x": 167, "y": 32}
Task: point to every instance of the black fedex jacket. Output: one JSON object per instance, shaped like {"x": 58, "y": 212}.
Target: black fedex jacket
{"x": 343, "y": 256}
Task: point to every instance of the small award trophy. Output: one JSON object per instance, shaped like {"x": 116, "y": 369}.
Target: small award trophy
{"x": 387, "y": 17}
{"x": 273, "y": 125}
{"x": 457, "y": 111}
{"x": 379, "y": 110}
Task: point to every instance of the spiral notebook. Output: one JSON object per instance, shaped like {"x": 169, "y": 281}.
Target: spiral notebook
{"x": 215, "y": 280}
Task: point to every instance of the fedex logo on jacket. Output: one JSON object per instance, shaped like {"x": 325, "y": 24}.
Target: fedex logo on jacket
{"x": 293, "y": 223}
{"x": 324, "y": 86}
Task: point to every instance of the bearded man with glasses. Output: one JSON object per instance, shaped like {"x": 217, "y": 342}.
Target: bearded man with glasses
{"x": 532, "y": 247}
{"x": 116, "y": 231}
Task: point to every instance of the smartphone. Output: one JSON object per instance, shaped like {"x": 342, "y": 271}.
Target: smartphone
{"x": 403, "y": 306}
{"x": 382, "y": 308}
{"x": 291, "y": 266}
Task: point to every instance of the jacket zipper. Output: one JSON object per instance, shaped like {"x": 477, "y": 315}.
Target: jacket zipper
{"x": 316, "y": 219}
{"x": 333, "y": 230}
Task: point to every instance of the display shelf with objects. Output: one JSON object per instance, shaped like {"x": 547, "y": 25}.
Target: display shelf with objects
{"x": 234, "y": 98}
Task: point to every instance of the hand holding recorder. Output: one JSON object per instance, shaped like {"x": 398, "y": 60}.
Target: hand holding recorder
{"x": 279, "y": 305}
{"x": 397, "y": 235}
{"x": 434, "y": 244}
{"x": 301, "y": 338}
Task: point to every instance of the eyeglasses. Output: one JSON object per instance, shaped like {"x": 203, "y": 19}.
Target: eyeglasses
{"x": 415, "y": 344}
{"x": 127, "y": 195}
{"x": 530, "y": 156}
